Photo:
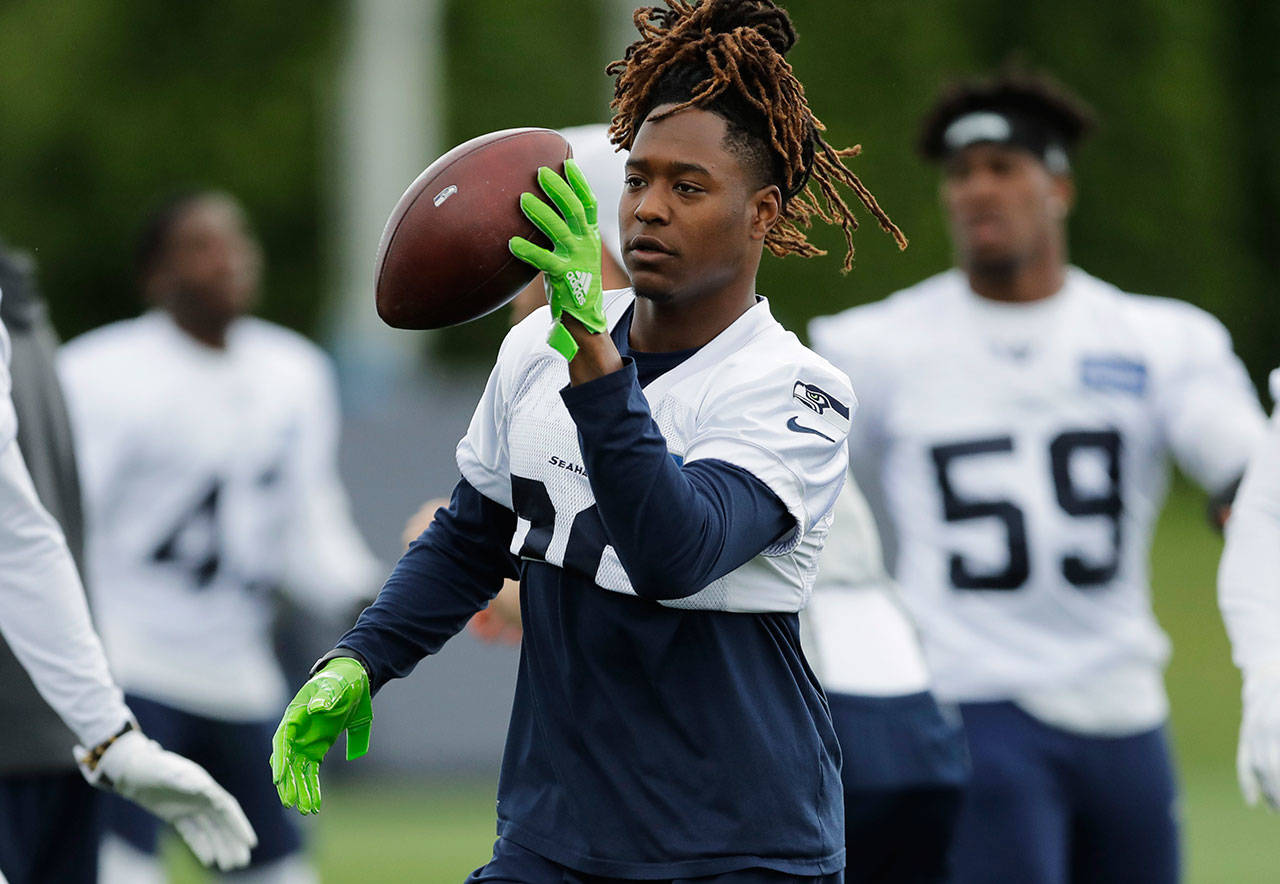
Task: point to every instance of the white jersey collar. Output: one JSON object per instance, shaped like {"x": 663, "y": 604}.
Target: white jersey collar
{"x": 754, "y": 321}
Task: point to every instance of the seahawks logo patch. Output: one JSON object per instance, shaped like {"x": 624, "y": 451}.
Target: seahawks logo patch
{"x": 822, "y": 403}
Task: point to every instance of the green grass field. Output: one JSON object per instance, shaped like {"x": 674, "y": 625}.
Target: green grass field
{"x": 399, "y": 831}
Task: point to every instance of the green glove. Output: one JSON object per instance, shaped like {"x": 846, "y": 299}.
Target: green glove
{"x": 335, "y": 699}
{"x": 572, "y": 272}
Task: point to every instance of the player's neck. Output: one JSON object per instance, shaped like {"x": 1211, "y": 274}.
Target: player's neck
{"x": 209, "y": 334}
{"x": 685, "y": 323}
{"x": 1024, "y": 283}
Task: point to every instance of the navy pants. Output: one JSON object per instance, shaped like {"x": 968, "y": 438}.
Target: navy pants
{"x": 1050, "y": 807}
{"x": 513, "y": 864}
{"x": 49, "y": 828}
{"x": 235, "y": 754}
{"x": 905, "y": 765}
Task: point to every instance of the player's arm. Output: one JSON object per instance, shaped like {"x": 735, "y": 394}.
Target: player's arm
{"x": 675, "y": 528}
{"x": 1249, "y": 595}
{"x": 329, "y": 567}
{"x": 854, "y": 345}
{"x": 451, "y": 571}
{"x": 43, "y": 614}
{"x": 44, "y": 619}
{"x": 499, "y": 622}
{"x": 1211, "y": 415}
{"x": 446, "y": 576}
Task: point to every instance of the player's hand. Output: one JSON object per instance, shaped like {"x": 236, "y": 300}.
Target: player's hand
{"x": 178, "y": 791}
{"x": 1258, "y": 757}
{"x": 572, "y": 271}
{"x": 499, "y": 623}
{"x": 335, "y": 699}
{"x": 421, "y": 520}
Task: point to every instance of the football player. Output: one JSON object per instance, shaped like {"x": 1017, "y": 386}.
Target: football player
{"x": 659, "y": 465}
{"x": 207, "y": 446}
{"x": 45, "y": 623}
{"x": 1016, "y": 422}
{"x": 1249, "y": 594}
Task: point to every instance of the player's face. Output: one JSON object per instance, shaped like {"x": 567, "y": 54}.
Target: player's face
{"x": 1004, "y": 207}
{"x": 211, "y": 263}
{"x": 692, "y": 218}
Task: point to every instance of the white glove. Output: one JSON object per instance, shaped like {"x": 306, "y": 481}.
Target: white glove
{"x": 177, "y": 790}
{"x": 1258, "y": 757}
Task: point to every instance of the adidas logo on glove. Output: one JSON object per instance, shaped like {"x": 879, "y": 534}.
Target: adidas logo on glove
{"x": 580, "y": 283}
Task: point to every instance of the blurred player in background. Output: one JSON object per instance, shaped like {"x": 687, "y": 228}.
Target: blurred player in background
{"x": 45, "y": 625}
{"x": 207, "y": 443}
{"x": 905, "y": 762}
{"x": 1017, "y": 415}
{"x": 667, "y": 493}
{"x": 1249, "y": 593}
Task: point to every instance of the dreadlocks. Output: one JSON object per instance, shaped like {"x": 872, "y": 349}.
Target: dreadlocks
{"x": 727, "y": 57}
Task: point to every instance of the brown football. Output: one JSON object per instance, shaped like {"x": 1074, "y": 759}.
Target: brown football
{"x": 443, "y": 258}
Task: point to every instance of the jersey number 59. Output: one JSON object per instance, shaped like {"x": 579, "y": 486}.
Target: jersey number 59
{"x": 1062, "y": 449}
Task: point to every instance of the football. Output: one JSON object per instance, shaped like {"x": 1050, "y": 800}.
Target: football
{"x": 443, "y": 258}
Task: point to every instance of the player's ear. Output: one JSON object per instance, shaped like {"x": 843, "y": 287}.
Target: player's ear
{"x": 765, "y": 209}
{"x": 1064, "y": 194}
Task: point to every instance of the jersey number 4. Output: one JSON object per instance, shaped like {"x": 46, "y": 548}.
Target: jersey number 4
{"x": 1062, "y": 449}
{"x": 192, "y": 543}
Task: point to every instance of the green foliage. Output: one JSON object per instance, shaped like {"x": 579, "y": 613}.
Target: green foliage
{"x": 105, "y": 107}
{"x": 1179, "y": 194}
{"x": 1164, "y": 206}
{"x": 506, "y": 60}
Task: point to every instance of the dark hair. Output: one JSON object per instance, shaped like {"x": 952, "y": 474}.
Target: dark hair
{"x": 1016, "y": 90}
{"x": 153, "y": 235}
{"x": 727, "y": 57}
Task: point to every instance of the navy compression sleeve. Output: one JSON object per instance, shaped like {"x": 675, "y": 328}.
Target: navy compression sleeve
{"x": 447, "y": 574}
{"x": 675, "y": 528}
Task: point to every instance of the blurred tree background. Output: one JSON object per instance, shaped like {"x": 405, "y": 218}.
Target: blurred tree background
{"x": 105, "y": 106}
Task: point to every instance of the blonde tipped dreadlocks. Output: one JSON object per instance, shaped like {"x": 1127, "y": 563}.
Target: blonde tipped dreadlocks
{"x": 727, "y": 56}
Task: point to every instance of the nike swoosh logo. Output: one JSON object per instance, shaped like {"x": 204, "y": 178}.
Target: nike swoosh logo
{"x": 794, "y": 425}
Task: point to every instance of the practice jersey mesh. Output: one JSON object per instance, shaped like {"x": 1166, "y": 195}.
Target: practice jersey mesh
{"x": 753, "y": 397}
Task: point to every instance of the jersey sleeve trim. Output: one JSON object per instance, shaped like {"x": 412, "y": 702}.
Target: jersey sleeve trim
{"x": 770, "y": 469}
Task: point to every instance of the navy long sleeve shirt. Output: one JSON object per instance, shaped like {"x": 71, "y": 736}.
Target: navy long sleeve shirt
{"x": 645, "y": 741}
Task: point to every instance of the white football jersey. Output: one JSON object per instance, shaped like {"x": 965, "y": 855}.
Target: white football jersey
{"x": 754, "y": 397}
{"x": 8, "y": 418}
{"x": 856, "y": 635}
{"x": 1018, "y": 454}
{"x": 209, "y": 481}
